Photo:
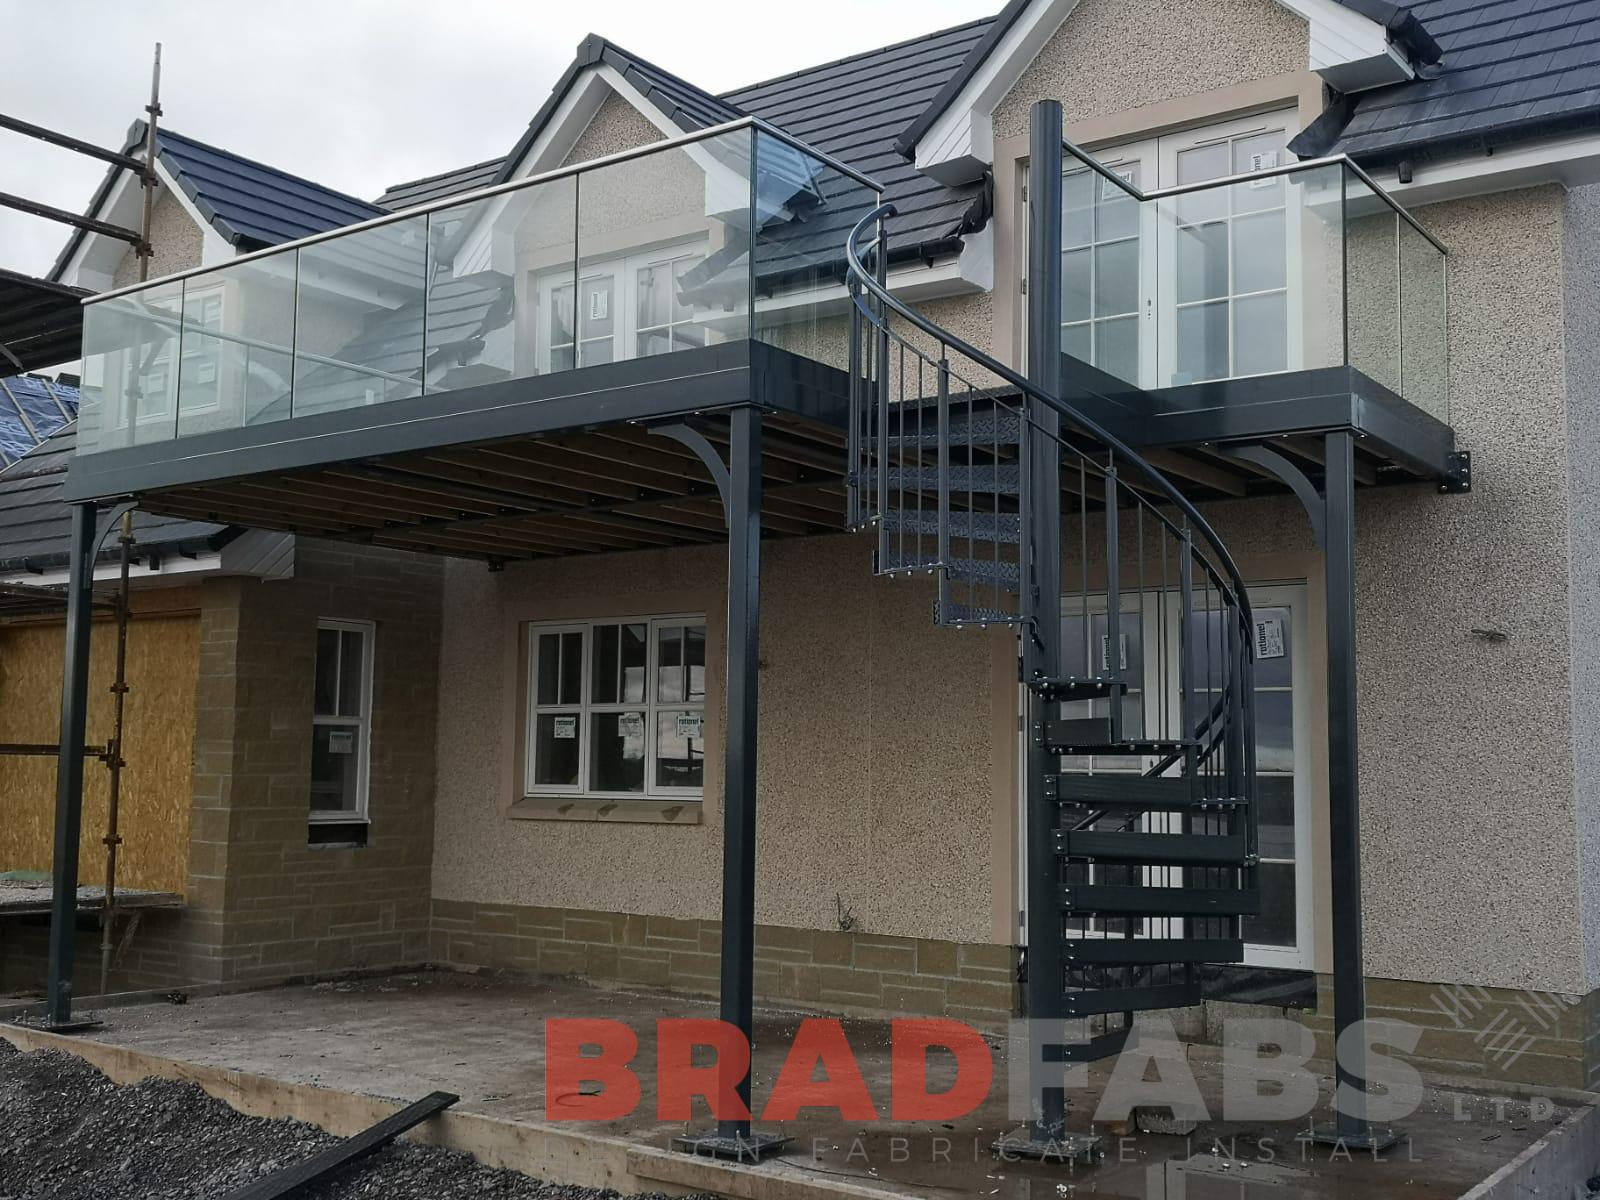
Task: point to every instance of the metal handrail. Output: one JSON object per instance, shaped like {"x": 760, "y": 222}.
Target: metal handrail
{"x": 511, "y": 185}
{"x": 1084, "y": 423}
{"x": 1309, "y": 164}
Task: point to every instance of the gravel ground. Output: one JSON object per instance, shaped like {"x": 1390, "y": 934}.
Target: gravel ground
{"x": 69, "y": 1133}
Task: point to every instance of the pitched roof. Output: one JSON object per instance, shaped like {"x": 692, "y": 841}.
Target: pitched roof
{"x": 853, "y": 108}
{"x": 36, "y": 523}
{"x": 1511, "y": 69}
{"x": 249, "y": 203}
{"x": 31, "y": 409}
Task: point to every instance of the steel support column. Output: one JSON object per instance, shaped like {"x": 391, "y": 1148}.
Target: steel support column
{"x": 1041, "y": 636}
{"x": 742, "y": 505}
{"x": 69, "y": 767}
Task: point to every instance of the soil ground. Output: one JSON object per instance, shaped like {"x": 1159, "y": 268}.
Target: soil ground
{"x": 69, "y": 1133}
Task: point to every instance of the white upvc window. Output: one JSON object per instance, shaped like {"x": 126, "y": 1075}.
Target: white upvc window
{"x": 341, "y": 720}
{"x": 627, "y": 307}
{"x": 616, "y": 708}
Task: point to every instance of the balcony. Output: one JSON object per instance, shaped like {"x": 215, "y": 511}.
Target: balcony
{"x": 1282, "y": 301}
{"x": 684, "y": 253}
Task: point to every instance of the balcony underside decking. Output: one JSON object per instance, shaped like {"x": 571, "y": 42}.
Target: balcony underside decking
{"x": 530, "y": 468}
{"x": 567, "y": 463}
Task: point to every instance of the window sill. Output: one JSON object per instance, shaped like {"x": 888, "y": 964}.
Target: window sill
{"x": 584, "y": 808}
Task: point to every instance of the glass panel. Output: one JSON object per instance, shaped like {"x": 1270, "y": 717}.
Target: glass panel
{"x": 1077, "y": 202}
{"x": 130, "y": 369}
{"x": 694, "y": 659}
{"x": 555, "y": 750}
{"x": 358, "y": 320}
{"x": 326, "y": 688}
{"x": 1260, "y": 334}
{"x": 804, "y": 213}
{"x": 237, "y": 361}
{"x": 571, "y": 668}
{"x": 1202, "y": 342}
{"x": 548, "y": 665}
{"x": 603, "y": 681}
{"x": 1117, "y": 215}
{"x": 685, "y": 210}
{"x": 1259, "y": 253}
{"x": 1274, "y": 731}
{"x": 1424, "y": 354}
{"x": 1276, "y": 924}
{"x": 1275, "y": 801}
{"x": 1077, "y": 283}
{"x": 1075, "y": 341}
{"x": 1116, "y": 268}
{"x": 1116, "y": 347}
{"x": 617, "y": 752}
{"x": 1197, "y": 166}
{"x": 669, "y": 663}
{"x": 680, "y": 749}
{"x": 335, "y": 768}
{"x": 352, "y": 672}
{"x": 620, "y": 654}
{"x": 1372, "y": 278}
{"x": 1202, "y": 262}
{"x": 500, "y": 286}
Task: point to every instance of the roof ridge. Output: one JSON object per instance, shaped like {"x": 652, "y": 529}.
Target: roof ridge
{"x": 639, "y": 60}
{"x": 837, "y": 62}
{"x": 163, "y": 131}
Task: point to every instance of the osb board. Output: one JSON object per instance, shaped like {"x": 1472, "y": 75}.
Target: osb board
{"x": 163, "y": 660}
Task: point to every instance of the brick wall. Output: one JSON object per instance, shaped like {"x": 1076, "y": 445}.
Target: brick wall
{"x": 817, "y": 969}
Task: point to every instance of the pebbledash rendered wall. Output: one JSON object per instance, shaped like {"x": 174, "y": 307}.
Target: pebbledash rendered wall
{"x": 888, "y": 745}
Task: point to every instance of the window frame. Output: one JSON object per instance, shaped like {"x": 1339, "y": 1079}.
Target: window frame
{"x": 623, "y": 272}
{"x": 587, "y": 707}
{"x": 363, "y": 722}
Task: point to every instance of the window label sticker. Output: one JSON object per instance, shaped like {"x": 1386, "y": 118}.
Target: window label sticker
{"x": 564, "y": 728}
{"x": 1269, "y": 637}
{"x": 341, "y": 741}
{"x": 689, "y": 724}
{"x": 1105, "y": 652}
{"x": 630, "y": 725}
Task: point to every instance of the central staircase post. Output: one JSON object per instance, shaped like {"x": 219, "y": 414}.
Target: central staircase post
{"x": 1041, "y": 605}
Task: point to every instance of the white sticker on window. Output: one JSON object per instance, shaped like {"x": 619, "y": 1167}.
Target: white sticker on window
{"x": 1122, "y": 652}
{"x": 630, "y": 725}
{"x": 1269, "y": 637}
{"x": 1264, "y": 162}
{"x": 341, "y": 741}
{"x": 564, "y": 728}
{"x": 689, "y": 724}
{"x": 599, "y": 305}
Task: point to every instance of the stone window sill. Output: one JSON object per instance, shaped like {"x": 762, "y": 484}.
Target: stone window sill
{"x": 584, "y": 808}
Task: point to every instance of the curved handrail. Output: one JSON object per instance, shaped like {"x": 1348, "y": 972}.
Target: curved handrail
{"x": 1033, "y": 391}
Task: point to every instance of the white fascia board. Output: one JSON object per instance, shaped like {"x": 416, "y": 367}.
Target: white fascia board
{"x": 1573, "y": 162}
{"x": 1350, "y": 51}
{"x": 171, "y": 567}
{"x": 957, "y": 275}
{"x": 255, "y": 552}
{"x": 94, "y": 263}
{"x": 959, "y": 146}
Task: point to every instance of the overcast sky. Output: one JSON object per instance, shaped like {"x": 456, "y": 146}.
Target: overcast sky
{"x": 361, "y": 94}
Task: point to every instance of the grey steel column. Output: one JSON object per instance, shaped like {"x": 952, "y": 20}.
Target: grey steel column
{"x": 69, "y": 768}
{"x": 1041, "y": 638}
{"x": 739, "y": 742}
{"x": 1344, "y": 816}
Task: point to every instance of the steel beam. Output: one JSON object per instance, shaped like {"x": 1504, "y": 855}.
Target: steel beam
{"x": 69, "y": 768}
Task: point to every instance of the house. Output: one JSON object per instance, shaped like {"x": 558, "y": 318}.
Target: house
{"x": 1257, "y": 403}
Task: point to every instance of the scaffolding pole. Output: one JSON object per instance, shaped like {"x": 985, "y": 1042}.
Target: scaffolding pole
{"x": 114, "y": 760}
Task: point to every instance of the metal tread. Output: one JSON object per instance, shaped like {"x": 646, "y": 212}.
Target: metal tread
{"x": 1157, "y": 849}
{"x": 1094, "y": 1001}
{"x": 1004, "y": 574}
{"x": 1134, "y": 900}
{"x": 1125, "y": 951}
{"x": 987, "y": 429}
{"x": 1094, "y": 735}
{"x": 968, "y": 614}
{"x": 1005, "y": 528}
{"x": 1155, "y": 793}
{"x": 1077, "y": 687}
{"x": 1002, "y": 478}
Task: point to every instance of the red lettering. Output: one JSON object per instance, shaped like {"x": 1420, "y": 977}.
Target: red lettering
{"x": 820, "y": 1042}
{"x": 566, "y": 1069}
{"x": 910, "y": 1041}
{"x": 679, "y": 1081}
